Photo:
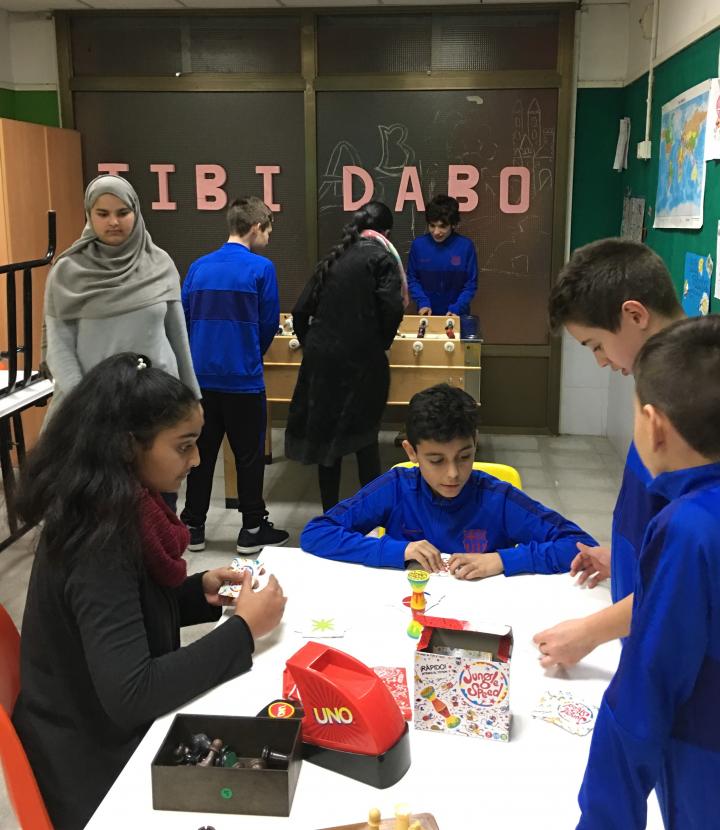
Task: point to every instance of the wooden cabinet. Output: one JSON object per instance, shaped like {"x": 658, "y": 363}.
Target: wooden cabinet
{"x": 40, "y": 170}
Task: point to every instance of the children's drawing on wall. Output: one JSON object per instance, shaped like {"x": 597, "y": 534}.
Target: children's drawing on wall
{"x": 696, "y": 284}
{"x": 632, "y": 218}
{"x": 681, "y": 174}
{"x": 712, "y": 137}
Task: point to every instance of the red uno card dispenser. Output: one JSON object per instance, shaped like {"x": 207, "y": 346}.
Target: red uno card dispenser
{"x": 352, "y": 724}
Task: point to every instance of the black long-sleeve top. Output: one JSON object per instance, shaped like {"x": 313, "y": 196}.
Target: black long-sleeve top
{"x": 100, "y": 660}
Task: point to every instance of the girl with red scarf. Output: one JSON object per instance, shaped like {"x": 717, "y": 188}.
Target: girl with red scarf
{"x": 100, "y": 646}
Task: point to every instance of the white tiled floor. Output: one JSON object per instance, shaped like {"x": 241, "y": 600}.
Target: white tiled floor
{"x": 577, "y": 475}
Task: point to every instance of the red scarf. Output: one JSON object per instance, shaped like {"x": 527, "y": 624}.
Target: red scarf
{"x": 164, "y": 540}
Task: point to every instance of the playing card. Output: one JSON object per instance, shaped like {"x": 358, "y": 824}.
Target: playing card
{"x": 395, "y": 678}
{"x": 240, "y": 564}
{"x": 322, "y": 627}
{"x": 445, "y": 558}
{"x": 560, "y": 708}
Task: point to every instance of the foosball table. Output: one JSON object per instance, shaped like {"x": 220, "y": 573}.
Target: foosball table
{"x": 424, "y": 352}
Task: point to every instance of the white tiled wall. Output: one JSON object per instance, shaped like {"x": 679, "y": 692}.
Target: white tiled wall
{"x": 620, "y": 411}
{"x": 584, "y": 391}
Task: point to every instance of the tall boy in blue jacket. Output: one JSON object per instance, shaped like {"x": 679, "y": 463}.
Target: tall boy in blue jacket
{"x": 232, "y": 311}
{"x": 443, "y": 505}
{"x": 659, "y": 722}
{"x": 612, "y": 296}
{"x": 442, "y": 267}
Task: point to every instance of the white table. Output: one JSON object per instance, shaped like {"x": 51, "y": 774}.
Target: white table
{"x": 530, "y": 783}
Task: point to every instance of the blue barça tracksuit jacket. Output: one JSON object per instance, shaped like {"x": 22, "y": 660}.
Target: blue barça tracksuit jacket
{"x": 487, "y": 515}
{"x": 659, "y": 722}
{"x": 443, "y": 275}
{"x": 635, "y": 507}
{"x": 232, "y": 308}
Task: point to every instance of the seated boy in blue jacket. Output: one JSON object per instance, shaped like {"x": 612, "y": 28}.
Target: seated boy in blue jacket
{"x": 659, "y": 722}
{"x": 443, "y": 505}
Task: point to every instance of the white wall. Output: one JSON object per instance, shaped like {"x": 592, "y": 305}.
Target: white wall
{"x": 33, "y": 51}
{"x": 584, "y": 391}
{"x": 6, "y": 76}
{"x": 680, "y": 23}
{"x": 621, "y": 391}
{"x": 603, "y": 42}
{"x": 602, "y": 61}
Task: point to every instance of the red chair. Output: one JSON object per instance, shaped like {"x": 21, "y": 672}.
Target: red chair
{"x": 25, "y": 796}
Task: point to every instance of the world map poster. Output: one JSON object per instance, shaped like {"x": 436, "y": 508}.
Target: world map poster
{"x": 681, "y": 174}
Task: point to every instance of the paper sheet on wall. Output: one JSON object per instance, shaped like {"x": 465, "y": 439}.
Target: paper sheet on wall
{"x": 712, "y": 130}
{"x": 696, "y": 285}
{"x": 621, "y": 151}
{"x": 681, "y": 174}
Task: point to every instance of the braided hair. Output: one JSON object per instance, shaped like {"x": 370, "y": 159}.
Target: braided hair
{"x": 375, "y": 216}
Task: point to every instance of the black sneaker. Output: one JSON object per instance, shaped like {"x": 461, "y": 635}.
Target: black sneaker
{"x": 267, "y": 535}
{"x": 197, "y": 538}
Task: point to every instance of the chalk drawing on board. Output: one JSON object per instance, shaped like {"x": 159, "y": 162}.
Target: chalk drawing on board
{"x": 343, "y": 154}
{"x": 533, "y": 144}
{"x": 395, "y": 152}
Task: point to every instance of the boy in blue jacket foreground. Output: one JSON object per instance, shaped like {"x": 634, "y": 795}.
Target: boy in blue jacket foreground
{"x": 612, "y": 296}
{"x": 659, "y": 722}
{"x": 443, "y": 505}
{"x": 442, "y": 267}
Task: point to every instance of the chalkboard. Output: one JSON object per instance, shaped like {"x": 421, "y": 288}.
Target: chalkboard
{"x": 238, "y": 131}
{"x": 383, "y": 132}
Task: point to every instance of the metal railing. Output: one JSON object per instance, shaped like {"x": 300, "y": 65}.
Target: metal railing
{"x": 26, "y": 348}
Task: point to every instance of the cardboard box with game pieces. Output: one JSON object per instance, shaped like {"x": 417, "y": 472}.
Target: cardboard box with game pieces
{"x": 462, "y": 678}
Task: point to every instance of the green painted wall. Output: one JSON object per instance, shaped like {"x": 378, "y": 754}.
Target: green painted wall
{"x": 597, "y": 188}
{"x": 694, "y": 64}
{"x": 36, "y": 106}
{"x": 598, "y": 191}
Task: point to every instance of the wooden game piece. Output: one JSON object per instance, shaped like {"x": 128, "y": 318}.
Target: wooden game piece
{"x": 374, "y": 818}
{"x": 424, "y": 821}
{"x": 402, "y": 817}
{"x": 215, "y": 748}
{"x": 249, "y": 763}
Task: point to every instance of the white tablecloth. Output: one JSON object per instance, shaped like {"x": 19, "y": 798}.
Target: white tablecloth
{"x": 530, "y": 783}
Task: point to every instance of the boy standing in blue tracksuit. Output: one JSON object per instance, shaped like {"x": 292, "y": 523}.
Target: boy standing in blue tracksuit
{"x": 489, "y": 526}
{"x": 232, "y": 309}
{"x": 611, "y": 297}
{"x": 442, "y": 267}
{"x": 659, "y": 722}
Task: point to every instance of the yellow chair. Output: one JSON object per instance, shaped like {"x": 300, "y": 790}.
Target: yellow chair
{"x": 502, "y": 471}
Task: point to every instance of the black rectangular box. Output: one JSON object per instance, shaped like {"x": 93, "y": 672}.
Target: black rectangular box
{"x": 259, "y": 792}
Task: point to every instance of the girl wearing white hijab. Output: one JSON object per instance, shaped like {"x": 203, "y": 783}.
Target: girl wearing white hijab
{"x": 114, "y": 291}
